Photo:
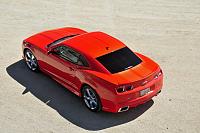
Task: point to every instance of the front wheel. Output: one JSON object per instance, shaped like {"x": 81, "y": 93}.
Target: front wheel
{"x": 31, "y": 60}
{"x": 91, "y": 99}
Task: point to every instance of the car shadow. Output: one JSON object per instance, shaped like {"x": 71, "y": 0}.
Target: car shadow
{"x": 67, "y": 104}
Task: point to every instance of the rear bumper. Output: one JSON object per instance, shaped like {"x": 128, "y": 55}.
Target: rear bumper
{"x": 134, "y": 99}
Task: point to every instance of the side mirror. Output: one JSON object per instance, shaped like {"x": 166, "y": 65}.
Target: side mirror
{"x": 49, "y": 52}
{"x": 52, "y": 52}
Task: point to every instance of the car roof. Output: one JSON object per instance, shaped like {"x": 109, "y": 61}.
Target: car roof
{"x": 94, "y": 44}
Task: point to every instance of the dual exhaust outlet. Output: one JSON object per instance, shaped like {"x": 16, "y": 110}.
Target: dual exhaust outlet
{"x": 126, "y": 108}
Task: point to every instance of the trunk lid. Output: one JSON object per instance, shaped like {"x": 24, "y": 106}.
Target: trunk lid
{"x": 145, "y": 71}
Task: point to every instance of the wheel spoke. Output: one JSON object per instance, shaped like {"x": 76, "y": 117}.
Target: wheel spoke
{"x": 32, "y": 57}
{"x": 28, "y": 55}
{"x": 87, "y": 98}
{"x": 88, "y": 92}
{"x": 87, "y": 102}
{"x": 93, "y": 97}
{"x": 93, "y": 104}
{"x": 29, "y": 64}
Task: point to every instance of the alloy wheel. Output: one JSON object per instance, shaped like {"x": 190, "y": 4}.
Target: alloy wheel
{"x": 90, "y": 99}
{"x": 31, "y": 61}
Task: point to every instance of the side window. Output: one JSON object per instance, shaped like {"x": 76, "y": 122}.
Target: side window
{"x": 70, "y": 55}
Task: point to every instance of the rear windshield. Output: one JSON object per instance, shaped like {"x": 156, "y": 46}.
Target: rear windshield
{"x": 119, "y": 60}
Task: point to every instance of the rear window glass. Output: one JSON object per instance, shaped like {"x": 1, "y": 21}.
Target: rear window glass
{"x": 119, "y": 60}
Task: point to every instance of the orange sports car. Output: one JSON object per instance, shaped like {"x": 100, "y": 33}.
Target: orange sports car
{"x": 95, "y": 66}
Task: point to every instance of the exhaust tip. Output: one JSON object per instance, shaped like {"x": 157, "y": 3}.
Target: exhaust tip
{"x": 123, "y": 109}
{"x": 158, "y": 92}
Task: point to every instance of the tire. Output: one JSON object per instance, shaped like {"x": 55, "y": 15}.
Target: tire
{"x": 31, "y": 60}
{"x": 91, "y": 99}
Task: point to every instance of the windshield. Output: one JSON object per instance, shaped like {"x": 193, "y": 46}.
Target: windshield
{"x": 61, "y": 40}
{"x": 119, "y": 60}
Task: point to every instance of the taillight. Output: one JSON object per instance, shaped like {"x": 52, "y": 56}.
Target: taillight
{"x": 121, "y": 89}
{"x": 125, "y": 88}
{"x": 128, "y": 88}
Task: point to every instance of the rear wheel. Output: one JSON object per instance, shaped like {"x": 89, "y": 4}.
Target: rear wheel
{"x": 31, "y": 60}
{"x": 91, "y": 99}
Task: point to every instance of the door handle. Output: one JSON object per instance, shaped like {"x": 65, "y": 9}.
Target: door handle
{"x": 71, "y": 69}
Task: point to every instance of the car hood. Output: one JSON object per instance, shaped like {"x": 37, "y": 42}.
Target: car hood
{"x": 137, "y": 73}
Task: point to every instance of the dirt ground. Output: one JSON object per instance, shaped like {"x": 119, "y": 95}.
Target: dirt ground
{"x": 168, "y": 31}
